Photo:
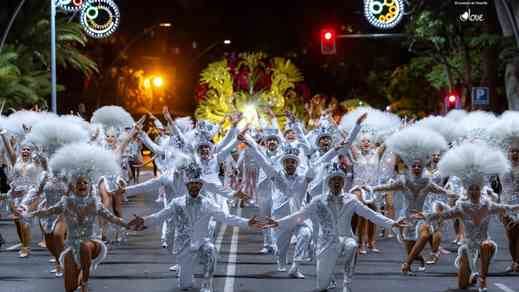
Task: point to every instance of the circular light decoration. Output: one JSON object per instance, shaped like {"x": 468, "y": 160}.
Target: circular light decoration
{"x": 384, "y": 14}
{"x": 70, "y": 5}
{"x": 100, "y": 18}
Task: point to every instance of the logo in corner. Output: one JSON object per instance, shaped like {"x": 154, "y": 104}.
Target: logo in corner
{"x": 468, "y": 16}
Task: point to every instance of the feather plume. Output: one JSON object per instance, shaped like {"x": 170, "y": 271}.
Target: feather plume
{"x": 76, "y": 120}
{"x": 84, "y": 160}
{"x": 416, "y": 143}
{"x": 456, "y": 115}
{"x": 377, "y": 126}
{"x": 444, "y": 126}
{"x": 52, "y": 133}
{"x": 506, "y": 131}
{"x": 509, "y": 114}
{"x": 112, "y": 116}
{"x": 471, "y": 162}
{"x": 475, "y": 126}
{"x": 16, "y": 122}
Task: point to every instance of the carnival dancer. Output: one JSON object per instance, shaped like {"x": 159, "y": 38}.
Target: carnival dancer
{"x": 414, "y": 146}
{"x": 167, "y": 146}
{"x": 191, "y": 213}
{"x": 26, "y": 167}
{"x": 436, "y": 203}
{"x": 83, "y": 165}
{"x": 366, "y": 158}
{"x": 292, "y": 189}
{"x": 115, "y": 120}
{"x": 334, "y": 209}
{"x": 506, "y": 134}
{"x": 169, "y": 182}
{"x": 472, "y": 163}
{"x": 50, "y": 135}
{"x": 270, "y": 139}
{"x": 367, "y": 155}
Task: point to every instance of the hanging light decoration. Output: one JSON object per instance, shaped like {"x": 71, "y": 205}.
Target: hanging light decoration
{"x": 70, "y": 5}
{"x": 384, "y": 14}
{"x": 99, "y": 18}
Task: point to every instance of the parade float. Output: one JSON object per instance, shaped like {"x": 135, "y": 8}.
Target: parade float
{"x": 250, "y": 83}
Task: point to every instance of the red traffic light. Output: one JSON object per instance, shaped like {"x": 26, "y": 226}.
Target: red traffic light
{"x": 328, "y": 42}
{"x": 452, "y": 101}
{"x": 452, "y": 98}
{"x": 328, "y": 35}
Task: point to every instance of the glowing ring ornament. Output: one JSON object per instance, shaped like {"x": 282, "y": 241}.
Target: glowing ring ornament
{"x": 70, "y": 5}
{"x": 100, "y": 18}
{"x": 384, "y": 14}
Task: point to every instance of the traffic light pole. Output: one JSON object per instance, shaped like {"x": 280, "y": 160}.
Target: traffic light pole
{"x": 371, "y": 35}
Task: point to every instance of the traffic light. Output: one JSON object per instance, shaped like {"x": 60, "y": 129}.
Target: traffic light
{"x": 452, "y": 101}
{"x": 328, "y": 42}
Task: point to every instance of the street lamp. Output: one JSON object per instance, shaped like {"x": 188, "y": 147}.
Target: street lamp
{"x": 158, "y": 81}
{"x": 166, "y": 24}
{"x": 227, "y": 42}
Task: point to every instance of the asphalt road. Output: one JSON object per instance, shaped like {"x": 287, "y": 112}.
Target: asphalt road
{"x": 141, "y": 265}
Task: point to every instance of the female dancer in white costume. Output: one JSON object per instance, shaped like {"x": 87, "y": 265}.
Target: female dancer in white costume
{"x": 26, "y": 168}
{"x": 472, "y": 163}
{"x": 414, "y": 146}
{"x": 50, "y": 135}
{"x": 83, "y": 165}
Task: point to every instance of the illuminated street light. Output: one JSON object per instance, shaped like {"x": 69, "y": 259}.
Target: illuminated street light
{"x": 227, "y": 42}
{"x": 166, "y": 24}
{"x": 158, "y": 81}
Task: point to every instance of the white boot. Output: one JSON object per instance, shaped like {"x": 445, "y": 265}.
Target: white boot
{"x": 207, "y": 285}
{"x": 294, "y": 272}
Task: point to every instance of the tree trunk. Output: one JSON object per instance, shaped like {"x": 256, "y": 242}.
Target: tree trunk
{"x": 490, "y": 65}
{"x": 508, "y": 16}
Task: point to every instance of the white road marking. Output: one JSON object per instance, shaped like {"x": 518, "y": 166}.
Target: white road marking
{"x": 219, "y": 238}
{"x": 231, "y": 266}
{"x": 503, "y": 287}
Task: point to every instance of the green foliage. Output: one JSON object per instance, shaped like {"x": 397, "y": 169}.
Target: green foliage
{"x": 24, "y": 63}
{"x": 447, "y": 53}
{"x": 17, "y": 86}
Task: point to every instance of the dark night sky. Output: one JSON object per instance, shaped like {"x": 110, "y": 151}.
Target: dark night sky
{"x": 281, "y": 28}
{"x": 250, "y": 24}
{"x": 277, "y": 27}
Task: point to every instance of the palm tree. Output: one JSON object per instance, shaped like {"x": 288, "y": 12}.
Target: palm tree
{"x": 24, "y": 62}
{"x": 19, "y": 87}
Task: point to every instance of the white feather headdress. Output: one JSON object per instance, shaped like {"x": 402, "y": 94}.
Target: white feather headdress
{"x": 506, "y": 131}
{"x": 444, "y": 126}
{"x": 471, "y": 162}
{"x": 112, "y": 117}
{"x": 16, "y": 121}
{"x": 76, "y": 120}
{"x": 51, "y": 134}
{"x": 475, "y": 126}
{"x": 456, "y": 115}
{"x": 84, "y": 160}
{"x": 377, "y": 126}
{"x": 416, "y": 143}
{"x": 184, "y": 124}
{"x": 509, "y": 114}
